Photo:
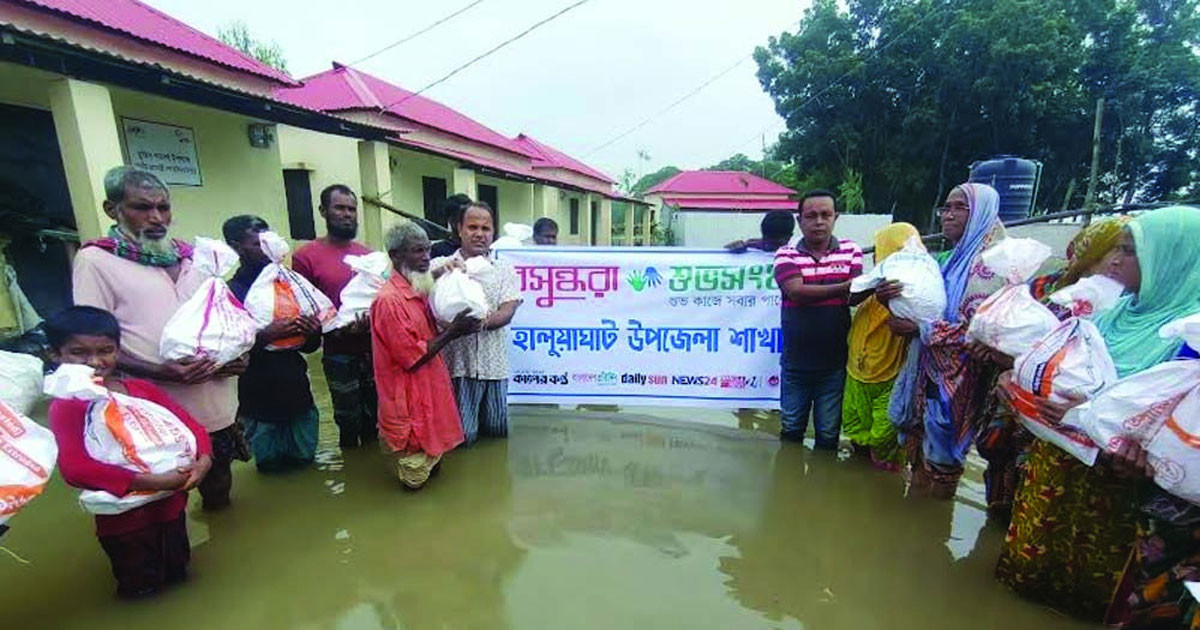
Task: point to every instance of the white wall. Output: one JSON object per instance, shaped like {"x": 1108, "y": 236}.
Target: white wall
{"x": 715, "y": 229}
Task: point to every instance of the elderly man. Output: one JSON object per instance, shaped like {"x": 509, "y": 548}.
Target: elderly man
{"x": 479, "y": 362}
{"x": 347, "y": 356}
{"x": 418, "y": 420}
{"x": 142, "y": 276}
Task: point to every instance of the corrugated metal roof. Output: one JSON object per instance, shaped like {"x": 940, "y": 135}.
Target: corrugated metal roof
{"x": 146, "y": 23}
{"x": 553, "y": 158}
{"x": 344, "y": 88}
{"x": 727, "y": 203}
{"x": 720, "y": 182}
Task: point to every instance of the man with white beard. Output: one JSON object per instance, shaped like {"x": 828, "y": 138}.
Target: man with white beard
{"x": 418, "y": 418}
{"x": 142, "y": 276}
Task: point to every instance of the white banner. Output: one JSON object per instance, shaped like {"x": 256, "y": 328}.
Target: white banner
{"x": 645, "y": 326}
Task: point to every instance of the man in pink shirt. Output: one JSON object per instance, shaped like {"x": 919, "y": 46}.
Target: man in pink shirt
{"x": 142, "y": 276}
{"x": 347, "y": 356}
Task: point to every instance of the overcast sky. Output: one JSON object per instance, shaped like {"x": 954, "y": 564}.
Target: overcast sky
{"x": 574, "y": 83}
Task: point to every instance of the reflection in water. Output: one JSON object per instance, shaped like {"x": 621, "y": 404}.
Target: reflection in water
{"x": 582, "y": 519}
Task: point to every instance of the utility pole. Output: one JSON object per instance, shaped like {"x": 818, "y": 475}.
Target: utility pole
{"x": 1090, "y": 199}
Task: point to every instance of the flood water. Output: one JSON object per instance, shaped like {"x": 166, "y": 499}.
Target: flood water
{"x": 662, "y": 518}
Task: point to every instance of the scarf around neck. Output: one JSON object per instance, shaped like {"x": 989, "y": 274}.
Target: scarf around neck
{"x": 120, "y": 245}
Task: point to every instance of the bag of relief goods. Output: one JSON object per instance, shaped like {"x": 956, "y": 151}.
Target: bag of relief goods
{"x": 27, "y": 455}
{"x": 1010, "y": 320}
{"x": 123, "y": 431}
{"x": 513, "y": 235}
{"x": 280, "y": 293}
{"x": 458, "y": 290}
{"x": 20, "y": 380}
{"x": 923, "y": 292}
{"x": 1089, "y": 296}
{"x": 1187, "y": 328}
{"x": 1160, "y": 409}
{"x": 1069, "y": 363}
{"x": 212, "y": 323}
{"x": 370, "y": 274}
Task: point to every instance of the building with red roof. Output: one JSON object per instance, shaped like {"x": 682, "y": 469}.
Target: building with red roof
{"x": 711, "y": 208}
{"x": 86, "y": 85}
{"x": 434, "y": 151}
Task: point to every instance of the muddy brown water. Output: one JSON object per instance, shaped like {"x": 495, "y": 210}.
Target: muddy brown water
{"x": 643, "y": 518}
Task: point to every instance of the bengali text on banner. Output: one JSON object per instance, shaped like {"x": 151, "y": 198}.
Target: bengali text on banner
{"x": 645, "y": 326}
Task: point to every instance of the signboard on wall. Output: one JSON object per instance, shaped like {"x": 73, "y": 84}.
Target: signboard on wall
{"x": 165, "y": 150}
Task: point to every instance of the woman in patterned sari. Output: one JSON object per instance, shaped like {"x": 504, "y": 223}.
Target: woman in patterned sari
{"x": 1073, "y": 527}
{"x": 938, "y": 396}
{"x": 1003, "y": 442}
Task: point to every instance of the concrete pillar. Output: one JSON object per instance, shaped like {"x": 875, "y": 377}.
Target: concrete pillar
{"x": 585, "y": 219}
{"x": 376, "y": 173}
{"x": 545, "y": 202}
{"x": 630, "y": 213}
{"x": 605, "y": 223}
{"x": 464, "y": 183}
{"x": 88, "y": 140}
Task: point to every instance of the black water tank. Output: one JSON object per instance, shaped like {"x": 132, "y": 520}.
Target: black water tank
{"x": 1016, "y": 179}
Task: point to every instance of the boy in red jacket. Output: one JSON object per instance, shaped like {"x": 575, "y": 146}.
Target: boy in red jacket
{"x": 148, "y": 545}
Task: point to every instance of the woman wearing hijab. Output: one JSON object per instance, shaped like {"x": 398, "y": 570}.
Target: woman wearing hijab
{"x": 876, "y": 354}
{"x": 939, "y": 394}
{"x": 1003, "y": 442}
{"x": 1073, "y": 527}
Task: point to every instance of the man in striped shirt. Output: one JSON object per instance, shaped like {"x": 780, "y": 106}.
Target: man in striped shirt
{"x": 814, "y": 276}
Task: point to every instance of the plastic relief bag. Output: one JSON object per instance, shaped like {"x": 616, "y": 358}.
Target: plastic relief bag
{"x": 1188, "y": 328}
{"x": 27, "y": 455}
{"x": 212, "y": 323}
{"x": 370, "y": 274}
{"x": 513, "y": 235}
{"x": 923, "y": 294}
{"x": 1010, "y": 320}
{"x": 132, "y": 433}
{"x": 20, "y": 380}
{"x": 1016, "y": 259}
{"x": 1071, "y": 361}
{"x": 455, "y": 292}
{"x": 1160, "y": 409}
{"x": 280, "y": 293}
{"x": 1089, "y": 296}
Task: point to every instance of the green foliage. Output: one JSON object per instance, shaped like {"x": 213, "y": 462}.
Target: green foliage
{"x": 237, "y": 35}
{"x": 906, "y": 94}
{"x": 850, "y": 192}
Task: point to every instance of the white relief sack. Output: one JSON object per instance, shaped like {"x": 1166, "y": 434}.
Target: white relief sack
{"x": 370, "y": 274}
{"x": 131, "y": 433}
{"x": 212, "y": 323}
{"x": 923, "y": 290}
{"x": 1010, "y": 320}
{"x": 280, "y": 293}
{"x": 27, "y": 455}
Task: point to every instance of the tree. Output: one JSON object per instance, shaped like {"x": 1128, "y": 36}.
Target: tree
{"x": 908, "y": 93}
{"x": 237, "y": 35}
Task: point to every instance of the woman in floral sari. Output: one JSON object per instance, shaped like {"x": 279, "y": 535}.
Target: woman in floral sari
{"x": 1073, "y": 527}
{"x": 938, "y": 397}
{"x": 1003, "y": 442}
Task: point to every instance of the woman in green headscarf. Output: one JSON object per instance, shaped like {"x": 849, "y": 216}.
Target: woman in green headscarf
{"x": 1073, "y": 527}
{"x": 875, "y": 357}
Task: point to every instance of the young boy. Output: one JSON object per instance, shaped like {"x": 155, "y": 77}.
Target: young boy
{"x": 148, "y": 545}
{"x": 275, "y": 402}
